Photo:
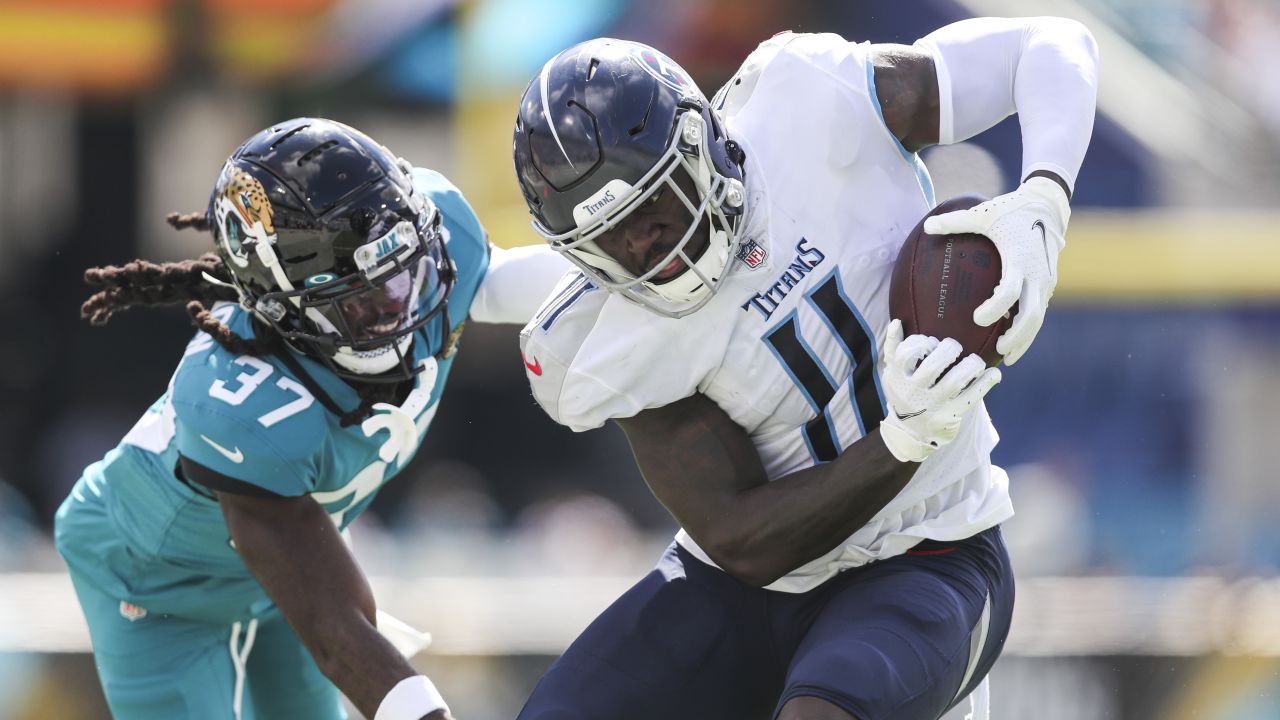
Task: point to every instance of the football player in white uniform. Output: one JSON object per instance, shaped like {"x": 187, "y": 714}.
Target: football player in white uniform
{"x": 840, "y": 554}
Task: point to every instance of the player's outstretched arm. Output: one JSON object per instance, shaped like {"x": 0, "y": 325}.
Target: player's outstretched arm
{"x": 964, "y": 78}
{"x": 293, "y": 548}
{"x": 516, "y": 283}
{"x": 702, "y": 466}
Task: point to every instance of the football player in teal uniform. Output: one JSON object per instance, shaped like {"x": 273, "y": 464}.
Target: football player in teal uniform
{"x": 206, "y": 549}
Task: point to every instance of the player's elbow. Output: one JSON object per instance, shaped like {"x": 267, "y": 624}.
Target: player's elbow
{"x": 743, "y": 562}
{"x": 1071, "y": 33}
{"x": 752, "y": 571}
{"x": 1087, "y": 41}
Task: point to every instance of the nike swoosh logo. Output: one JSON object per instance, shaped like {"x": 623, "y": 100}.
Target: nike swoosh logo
{"x": 908, "y": 416}
{"x": 1044, "y": 238}
{"x": 535, "y": 367}
{"x": 235, "y": 456}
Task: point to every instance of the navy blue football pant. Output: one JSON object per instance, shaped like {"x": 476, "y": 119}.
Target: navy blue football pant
{"x": 893, "y": 640}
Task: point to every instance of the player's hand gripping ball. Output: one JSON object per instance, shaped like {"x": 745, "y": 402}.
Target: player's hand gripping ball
{"x": 929, "y": 389}
{"x": 939, "y": 281}
{"x": 1028, "y": 227}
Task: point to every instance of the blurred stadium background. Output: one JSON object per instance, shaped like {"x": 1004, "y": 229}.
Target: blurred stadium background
{"x": 1139, "y": 434}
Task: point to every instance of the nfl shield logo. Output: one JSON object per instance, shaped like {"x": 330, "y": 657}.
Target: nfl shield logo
{"x": 131, "y": 612}
{"x": 752, "y": 254}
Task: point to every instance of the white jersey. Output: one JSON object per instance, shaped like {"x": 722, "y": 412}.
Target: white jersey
{"x": 788, "y": 345}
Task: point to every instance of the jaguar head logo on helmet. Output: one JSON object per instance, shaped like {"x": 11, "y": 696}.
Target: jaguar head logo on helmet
{"x": 628, "y": 172}
{"x": 241, "y": 209}
{"x": 328, "y": 242}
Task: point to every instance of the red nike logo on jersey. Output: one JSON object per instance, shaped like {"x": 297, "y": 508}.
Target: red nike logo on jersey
{"x": 535, "y": 367}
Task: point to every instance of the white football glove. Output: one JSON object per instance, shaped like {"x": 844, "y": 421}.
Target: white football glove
{"x": 926, "y": 405}
{"x": 1028, "y": 227}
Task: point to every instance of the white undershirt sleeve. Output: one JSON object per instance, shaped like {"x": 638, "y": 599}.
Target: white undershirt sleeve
{"x": 516, "y": 284}
{"x": 1045, "y": 69}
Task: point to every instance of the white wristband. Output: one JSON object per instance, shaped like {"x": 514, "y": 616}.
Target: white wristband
{"x": 410, "y": 699}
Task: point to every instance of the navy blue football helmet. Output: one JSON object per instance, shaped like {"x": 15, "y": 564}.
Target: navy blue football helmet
{"x": 606, "y": 126}
{"x": 329, "y": 243}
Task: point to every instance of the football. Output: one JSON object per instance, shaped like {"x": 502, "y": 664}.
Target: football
{"x": 938, "y": 280}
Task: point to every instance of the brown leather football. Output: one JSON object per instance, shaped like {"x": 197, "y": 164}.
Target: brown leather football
{"x": 938, "y": 280}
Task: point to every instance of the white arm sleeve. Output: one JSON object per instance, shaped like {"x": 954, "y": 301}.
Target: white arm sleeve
{"x": 1045, "y": 69}
{"x": 517, "y": 282}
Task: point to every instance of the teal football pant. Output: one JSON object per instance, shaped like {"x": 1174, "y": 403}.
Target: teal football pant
{"x": 159, "y": 667}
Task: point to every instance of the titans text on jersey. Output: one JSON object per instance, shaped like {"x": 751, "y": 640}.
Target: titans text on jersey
{"x": 806, "y": 259}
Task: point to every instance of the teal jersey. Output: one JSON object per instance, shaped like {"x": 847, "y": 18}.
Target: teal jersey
{"x": 252, "y": 419}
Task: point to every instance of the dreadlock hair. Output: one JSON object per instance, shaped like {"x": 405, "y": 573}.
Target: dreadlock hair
{"x": 143, "y": 282}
